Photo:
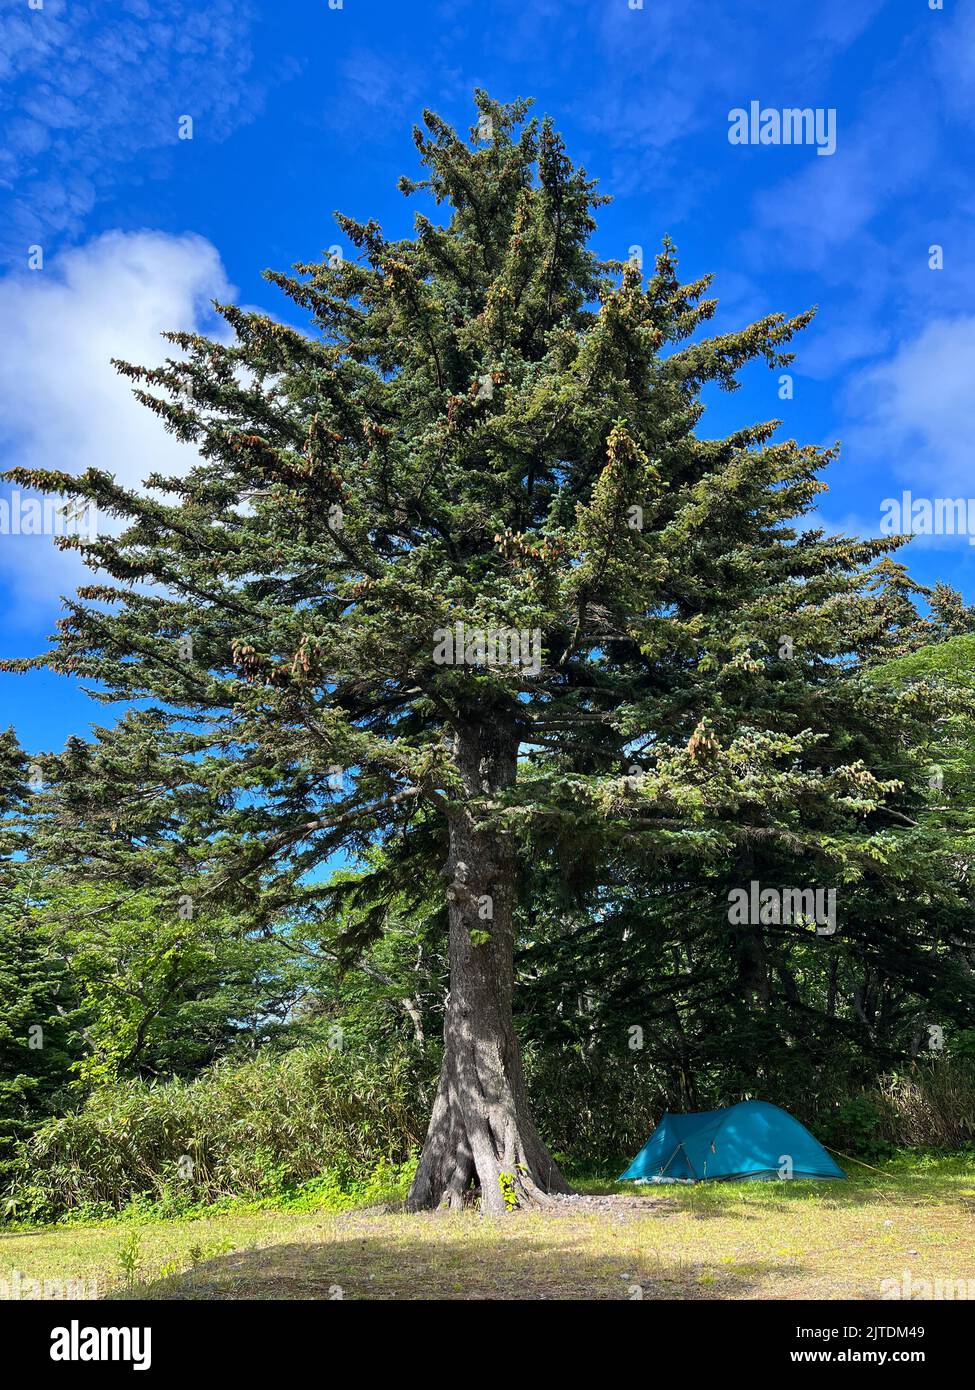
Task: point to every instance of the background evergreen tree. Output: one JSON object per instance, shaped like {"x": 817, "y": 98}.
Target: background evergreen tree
{"x": 37, "y": 1041}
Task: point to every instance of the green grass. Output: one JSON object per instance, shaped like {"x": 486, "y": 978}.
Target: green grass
{"x": 716, "y": 1240}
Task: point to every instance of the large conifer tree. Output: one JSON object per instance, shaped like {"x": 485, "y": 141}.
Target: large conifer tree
{"x": 487, "y": 426}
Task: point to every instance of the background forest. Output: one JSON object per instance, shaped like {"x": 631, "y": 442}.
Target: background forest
{"x": 280, "y": 1061}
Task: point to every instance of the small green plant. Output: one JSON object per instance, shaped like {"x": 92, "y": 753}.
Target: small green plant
{"x": 210, "y": 1250}
{"x": 508, "y": 1191}
{"x": 130, "y": 1255}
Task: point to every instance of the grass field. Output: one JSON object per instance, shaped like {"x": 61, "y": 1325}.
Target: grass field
{"x": 719, "y": 1240}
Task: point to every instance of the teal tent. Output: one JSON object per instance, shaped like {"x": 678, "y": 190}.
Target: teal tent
{"x": 751, "y": 1140}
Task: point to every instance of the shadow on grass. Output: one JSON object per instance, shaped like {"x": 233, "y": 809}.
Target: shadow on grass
{"x": 455, "y": 1258}
{"x": 731, "y": 1200}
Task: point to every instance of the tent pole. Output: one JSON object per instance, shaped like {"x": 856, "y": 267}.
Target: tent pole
{"x": 671, "y": 1159}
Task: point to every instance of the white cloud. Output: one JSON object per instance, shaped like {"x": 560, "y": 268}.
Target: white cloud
{"x": 916, "y": 411}
{"x": 62, "y": 404}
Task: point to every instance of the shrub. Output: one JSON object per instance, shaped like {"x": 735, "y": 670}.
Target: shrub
{"x": 852, "y": 1126}
{"x": 251, "y": 1130}
{"x": 931, "y": 1104}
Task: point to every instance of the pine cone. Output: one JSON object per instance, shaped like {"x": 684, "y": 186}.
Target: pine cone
{"x": 702, "y": 744}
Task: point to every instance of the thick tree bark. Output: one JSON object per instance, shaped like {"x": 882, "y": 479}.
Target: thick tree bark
{"x": 481, "y": 1133}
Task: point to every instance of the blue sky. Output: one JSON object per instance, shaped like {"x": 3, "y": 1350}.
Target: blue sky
{"x": 299, "y": 108}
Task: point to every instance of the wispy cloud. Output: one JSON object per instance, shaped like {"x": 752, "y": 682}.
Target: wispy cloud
{"x": 84, "y": 93}
{"x": 676, "y": 69}
{"x": 864, "y": 219}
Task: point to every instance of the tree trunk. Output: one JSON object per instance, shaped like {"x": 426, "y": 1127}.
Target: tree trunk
{"x": 481, "y": 1133}
{"x": 753, "y": 979}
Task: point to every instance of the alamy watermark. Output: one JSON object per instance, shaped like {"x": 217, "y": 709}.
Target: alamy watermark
{"x": 491, "y": 646}
{"x": 928, "y": 516}
{"x": 804, "y": 907}
{"x": 77, "y": 1343}
{"x": 19, "y": 1287}
{"x": 27, "y": 515}
{"x": 908, "y": 1286}
{"x": 790, "y": 125}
